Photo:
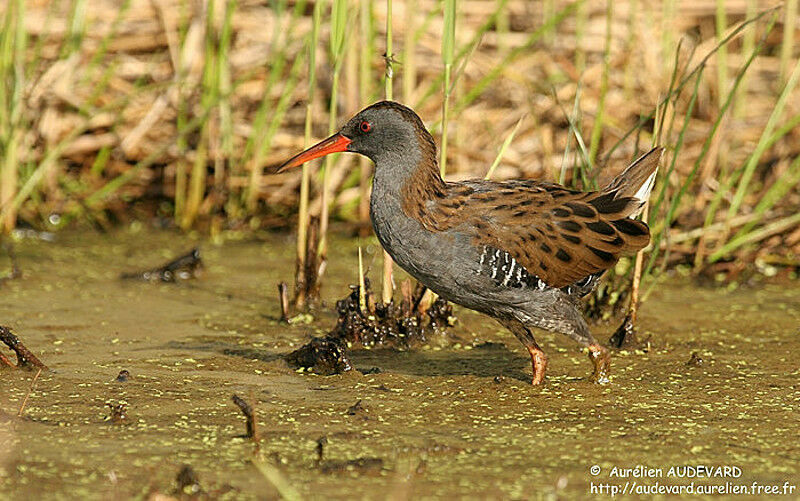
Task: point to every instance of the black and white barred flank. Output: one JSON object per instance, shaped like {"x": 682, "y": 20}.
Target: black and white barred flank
{"x": 507, "y": 272}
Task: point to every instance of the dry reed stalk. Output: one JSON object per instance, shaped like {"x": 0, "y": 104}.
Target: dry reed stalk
{"x": 387, "y": 284}
{"x": 303, "y": 218}
{"x": 367, "y": 48}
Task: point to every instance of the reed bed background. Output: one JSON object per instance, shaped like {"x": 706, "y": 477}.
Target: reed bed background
{"x": 178, "y": 111}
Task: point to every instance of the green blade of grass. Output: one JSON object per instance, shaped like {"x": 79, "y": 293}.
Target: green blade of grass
{"x": 687, "y": 78}
{"x": 597, "y": 127}
{"x": 752, "y": 162}
{"x": 448, "y": 47}
{"x": 504, "y": 147}
{"x": 513, "y": 54}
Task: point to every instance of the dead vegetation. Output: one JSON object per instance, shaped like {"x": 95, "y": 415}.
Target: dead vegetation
{"x": 179, "y": 109}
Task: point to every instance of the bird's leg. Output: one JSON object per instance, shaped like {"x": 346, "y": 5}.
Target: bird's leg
{"x": 562, "y": 315}
{"x": 538, "y": 363}
{"x": 538, "y": 358}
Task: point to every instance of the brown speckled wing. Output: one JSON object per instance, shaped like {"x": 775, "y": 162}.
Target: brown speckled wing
{"x": 559, "y": 235}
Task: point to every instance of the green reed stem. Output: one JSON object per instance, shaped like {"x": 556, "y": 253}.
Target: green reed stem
{"x": 76, "y": 28}
{"x": 787, "y": 45}
{"x": 367, "y": 49}
{"x": 513, "y": 54}
{"x": 761, "y": 147}
{"x": 779, "y": 189}
{"x": 712, "y": 207}
{"x": 503, "y": 148}
{"x": 448, "y": 49}
{"x": 721, "y": 23}
{"x": 409, "y": 59}
{"x": 464, "y": 52}
{"x": 597, "y": 128}
{"x": 756, "y": 236}
{"x": 337, "y": 51}
{"x": 663, "y": 192}
{"x": 679, "y": 88}
{"x": 748, "y": 44}
{"x": 13, "y": 42}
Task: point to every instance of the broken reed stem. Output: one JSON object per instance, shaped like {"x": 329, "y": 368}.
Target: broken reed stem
{"x": 251, "y": 425}
{"x": 283, "y": 297}
{"x": 763, "y": 232}
{"x": 30, "y": 390}
{"x": 387, "y": 287}
{"x": 25, "y": 358}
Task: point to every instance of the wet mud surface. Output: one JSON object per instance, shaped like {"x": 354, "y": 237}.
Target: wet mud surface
{"x": 719, "y": 384}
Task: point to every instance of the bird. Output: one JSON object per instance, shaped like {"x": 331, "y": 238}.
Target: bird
{"x": 521, "y": 251}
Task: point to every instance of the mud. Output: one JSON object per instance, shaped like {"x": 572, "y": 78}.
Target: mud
{"x": 455, "y": 419}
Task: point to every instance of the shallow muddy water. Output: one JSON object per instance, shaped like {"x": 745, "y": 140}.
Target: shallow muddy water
{"x": 455, "y": 419}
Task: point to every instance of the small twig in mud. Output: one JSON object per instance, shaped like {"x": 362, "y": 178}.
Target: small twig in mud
{"x": 695, "y": 360}
{"x": 364, "y": 465}
{"x": 25, "y": 358}
{"x": 321, "y": 443}
{"x": 355, "y": 408}
{"x": 27, "y": 395}
{"x": 119, "y": 413}
{"x": 181, "y": 268}
{"x": 283, "y": 296}
{"x": 250, "y": 416}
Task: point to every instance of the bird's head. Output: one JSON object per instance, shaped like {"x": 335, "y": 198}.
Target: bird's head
{"x": 390, "y": 134}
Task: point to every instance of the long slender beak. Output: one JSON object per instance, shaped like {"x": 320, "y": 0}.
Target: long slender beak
{"x": 334, "y": 144}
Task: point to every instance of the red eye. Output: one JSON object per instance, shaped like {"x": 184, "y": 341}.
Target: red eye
{"x": 365, "y": 126}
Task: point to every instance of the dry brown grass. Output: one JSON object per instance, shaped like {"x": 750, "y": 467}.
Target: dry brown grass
{"x": 134, "y": 101}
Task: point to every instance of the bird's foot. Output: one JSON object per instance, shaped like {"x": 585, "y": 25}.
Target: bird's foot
{"x": 601, "y": 359}
{"x": 539, "y": 364}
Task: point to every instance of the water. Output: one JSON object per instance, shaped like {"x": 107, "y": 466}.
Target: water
{"x": 454, "y": 420}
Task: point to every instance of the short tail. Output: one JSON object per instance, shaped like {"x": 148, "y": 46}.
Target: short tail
{"x": 636, "y": 182}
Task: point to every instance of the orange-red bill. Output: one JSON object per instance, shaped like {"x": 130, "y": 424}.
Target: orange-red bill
{"x": 334, "y": 144}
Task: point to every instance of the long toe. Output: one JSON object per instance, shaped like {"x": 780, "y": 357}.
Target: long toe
{"x": 601, "y": 359}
